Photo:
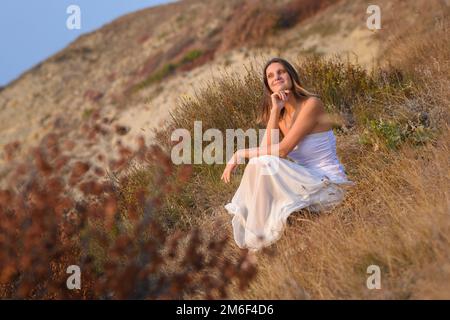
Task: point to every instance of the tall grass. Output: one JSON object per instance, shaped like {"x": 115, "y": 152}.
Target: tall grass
{"x": 375, "y": 107}
{"x": 393, "y": 141}
{"x": 156, "y": 230}
{"x": 396, "y": 218}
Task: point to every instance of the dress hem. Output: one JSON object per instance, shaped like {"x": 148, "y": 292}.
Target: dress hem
{"x": 276, "y": 232}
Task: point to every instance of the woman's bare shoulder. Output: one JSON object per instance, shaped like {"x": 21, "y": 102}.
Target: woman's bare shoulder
{"x": 314, "y": 102}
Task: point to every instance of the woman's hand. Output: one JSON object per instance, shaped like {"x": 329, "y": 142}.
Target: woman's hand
{"x": 279, "y": 99}
{"x": 230, "y": 167}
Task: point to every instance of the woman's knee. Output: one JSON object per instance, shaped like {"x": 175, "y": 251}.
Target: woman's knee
{"x": 265, "y": 165}
{"x": 264, "y": 159}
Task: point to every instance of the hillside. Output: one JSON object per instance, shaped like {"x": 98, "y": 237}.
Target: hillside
{"x": 123, "y": 76}
{"x": 149, "y": 229}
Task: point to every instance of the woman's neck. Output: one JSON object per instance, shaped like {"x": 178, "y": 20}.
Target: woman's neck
{"x": 291, "y": 105}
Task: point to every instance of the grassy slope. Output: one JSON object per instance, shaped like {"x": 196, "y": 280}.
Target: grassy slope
{"x": 392, "y": 138}
{"x": 393, "y": 141}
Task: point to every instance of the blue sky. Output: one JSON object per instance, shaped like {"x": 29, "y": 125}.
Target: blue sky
{"x": 31, "y": 31}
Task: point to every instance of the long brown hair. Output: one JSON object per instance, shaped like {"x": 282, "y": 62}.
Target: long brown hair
{"x": 297, "y": 90}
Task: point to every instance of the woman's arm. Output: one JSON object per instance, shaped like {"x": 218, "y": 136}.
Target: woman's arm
{"x": 271, "y": 134}
{"x": 303, "y": 125}
{"x": 305, "y": 122}
{"x": 272, "y": 129}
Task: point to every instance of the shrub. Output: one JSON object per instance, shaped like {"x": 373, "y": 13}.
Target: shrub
{"x": 167, "y": 70}
{"x": 191, "y": 56}
{"x": 56, "y": 214}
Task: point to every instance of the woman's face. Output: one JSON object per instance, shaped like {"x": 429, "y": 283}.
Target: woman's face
{"x": 277, "y": 77}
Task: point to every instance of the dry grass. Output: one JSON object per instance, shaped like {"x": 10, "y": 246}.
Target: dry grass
{"x": 397, "y": 218}
{"x": 394, "y": 145}
{"x": 160, "y": 231}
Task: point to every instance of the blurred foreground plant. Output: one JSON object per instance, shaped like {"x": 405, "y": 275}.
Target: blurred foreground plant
{"x": 54, "y": 214}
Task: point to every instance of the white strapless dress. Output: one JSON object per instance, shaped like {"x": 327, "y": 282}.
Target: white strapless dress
{"x": 272, "y": 188}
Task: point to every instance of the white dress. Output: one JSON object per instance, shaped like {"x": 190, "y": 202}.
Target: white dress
{"x": 272, "y": 188}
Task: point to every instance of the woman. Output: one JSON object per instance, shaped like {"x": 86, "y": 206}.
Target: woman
{"x": 272, "y": 186}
